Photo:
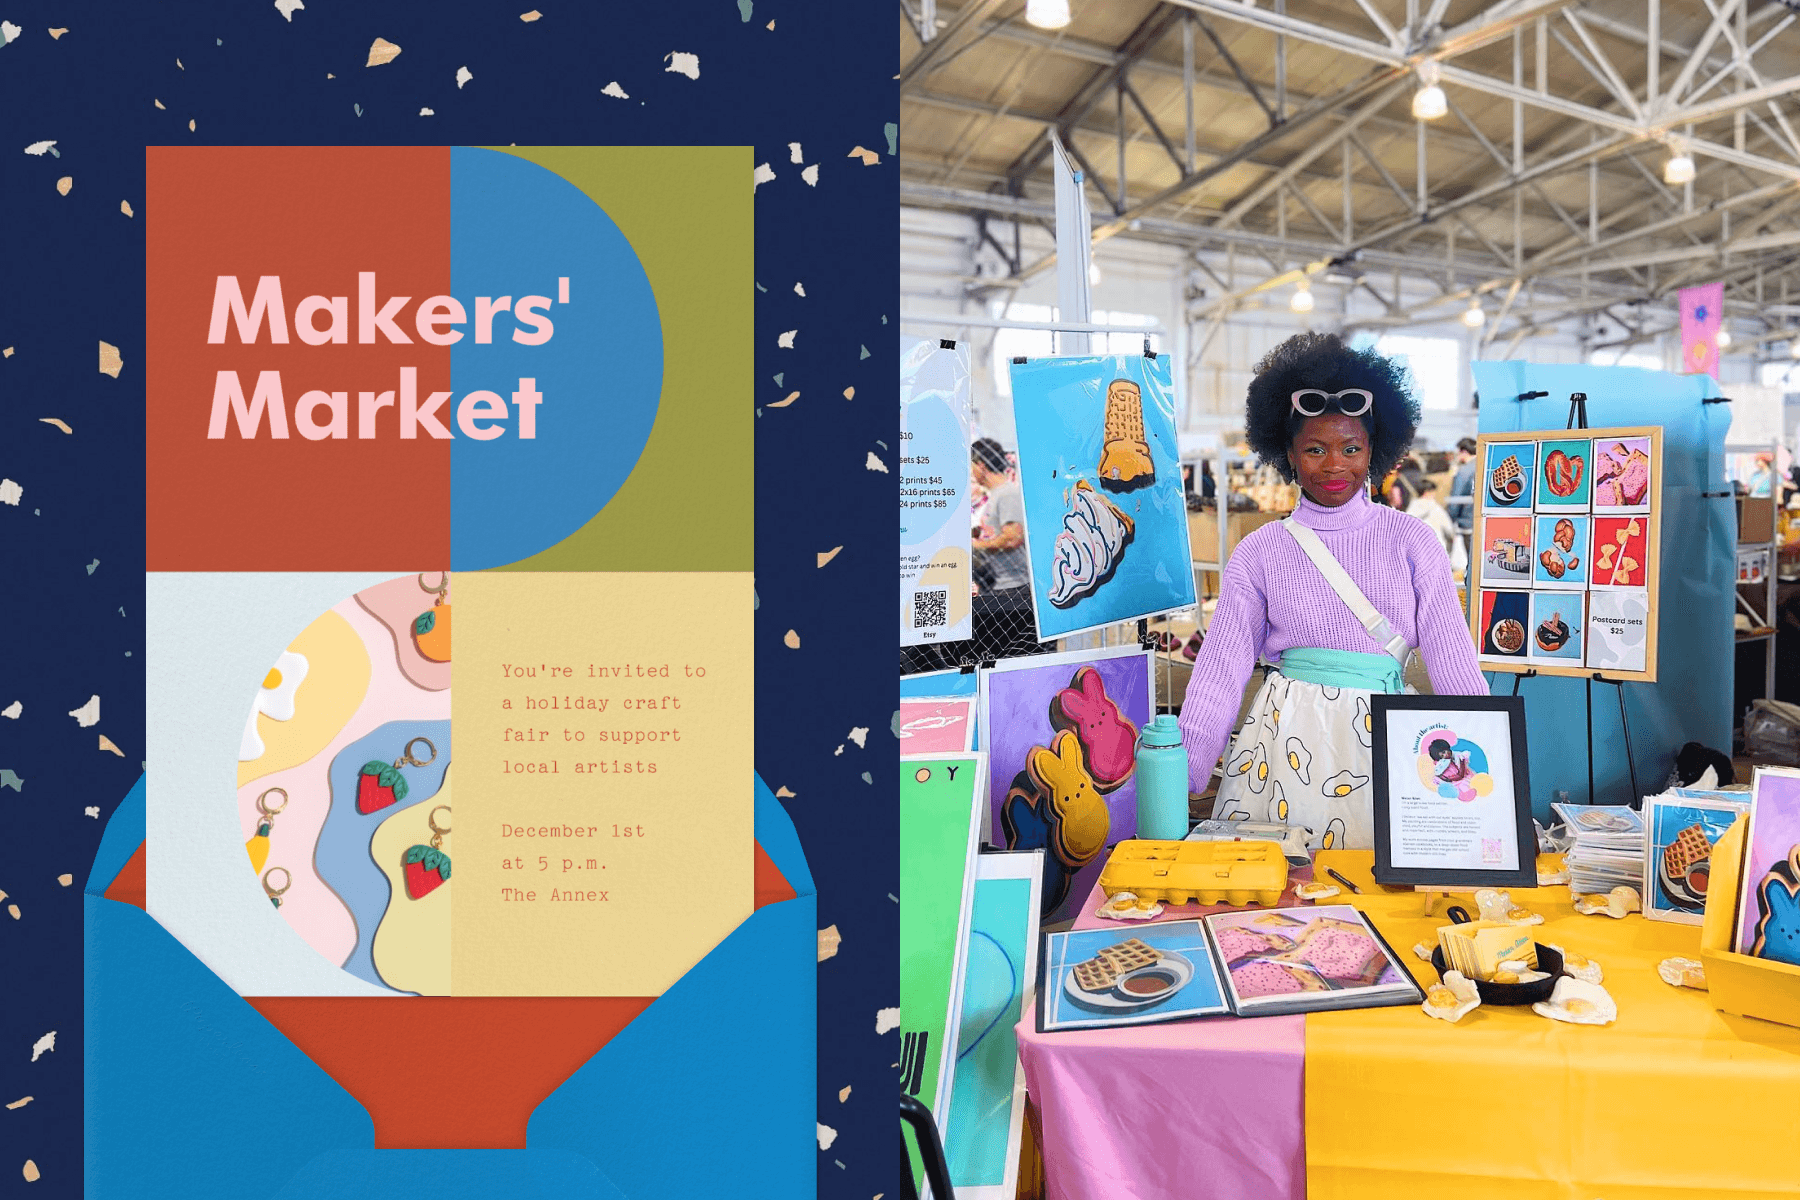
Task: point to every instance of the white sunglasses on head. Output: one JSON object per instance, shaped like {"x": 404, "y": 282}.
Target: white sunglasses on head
{"x": 1352, "y": 402}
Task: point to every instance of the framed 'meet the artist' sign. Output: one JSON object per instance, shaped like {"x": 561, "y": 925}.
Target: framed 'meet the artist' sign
{"x": 1563, "y": 578}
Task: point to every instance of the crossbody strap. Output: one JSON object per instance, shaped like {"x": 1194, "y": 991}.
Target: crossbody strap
{"x": 1347, "y": 591}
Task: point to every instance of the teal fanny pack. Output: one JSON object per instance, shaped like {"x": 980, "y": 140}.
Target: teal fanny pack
{"x": 1342, "y": 668}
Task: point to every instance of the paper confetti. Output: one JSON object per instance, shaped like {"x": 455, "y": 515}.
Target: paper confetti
{"x": 56, "y": 34}
{"x": 745, "y": 8}
{"x": 382, "y": 51}
{"x": 786, "y": 340}
{"x": 892, "y": 131}
{"x": 10, "y": 492}
{"x": 106, "y": 743}
{"x": 829, "y": 940}
{"x": 56, "y": 421}
{"x": 43, "y": 1045}
{"x": 783, "y": 403}
{"x": 827, "y": 1135}
{"x": 9, "y": 779}
{"x": 92, "y": 810}
{"x": 875, "y": 464}
{"x": 426, "y": 112}
{"x": 462, "y": 77}
{"x": 12, "y": 910}
{"x": 11, "y": 712}
{"x": 784, "y": 793}
{"x": 827, "y": 555}
{"x": 683, "y": 64}
{"x": 869, "y": 157}
{"x": 21, "y": 1102}
{"x": 159, "y": 104}
{"x": 31, "y": 1171}
{"x": 93, "y": 566}
{"x": 614, "y": 90}
{"x": 764, "y": 174}
{"x": 860, "y": 735}
{"x": 794, "y": 155}
{"x": 89, "y": 713}
{"x": 65, "y": 879}
{"x": 886, "y": 1019}
{"x": 791, "y": 640}
{"x": 9, "y": 32}
{"x": 6, "y": 353}
{"x": 287, "y": 9}
{"x": 811, "y": 175}
{"x": 110, "y": 362}
{"x": 849, "y": 393}
{"x": 190, "y": 125}
{"x": 38, "y": 148}
{"x": 799, "y": 289}
{"x": 64, "y": 184}
{"x": 531, "y": 16}
{"x": 843, "y": 1095}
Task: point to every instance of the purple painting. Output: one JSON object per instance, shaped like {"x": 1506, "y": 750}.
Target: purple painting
{"x": 1769, "y": 893}
{"x": 1060, "y": 732}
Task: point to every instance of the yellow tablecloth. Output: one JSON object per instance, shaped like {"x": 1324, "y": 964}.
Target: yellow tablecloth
{"x": 1674, "y": 1099}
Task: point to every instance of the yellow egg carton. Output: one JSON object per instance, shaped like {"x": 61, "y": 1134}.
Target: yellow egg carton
{"x": 1197, "y": 872}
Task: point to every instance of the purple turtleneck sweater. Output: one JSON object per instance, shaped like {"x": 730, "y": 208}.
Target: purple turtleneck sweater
{"x": 1272, "y": 599}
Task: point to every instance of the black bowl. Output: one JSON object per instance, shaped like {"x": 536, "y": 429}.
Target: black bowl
{"x": 1549, "y": 961}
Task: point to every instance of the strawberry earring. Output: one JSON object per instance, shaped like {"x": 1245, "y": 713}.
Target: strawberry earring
{"x": 427, "y": 867}
{"x": 431, "y": 628}
{"x": 268, "y": 881}
{"x": 378, "y": 784}
{"x": 258, "y": 845}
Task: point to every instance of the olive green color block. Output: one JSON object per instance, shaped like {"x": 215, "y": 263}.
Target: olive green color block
{"x": 688, "y": 504}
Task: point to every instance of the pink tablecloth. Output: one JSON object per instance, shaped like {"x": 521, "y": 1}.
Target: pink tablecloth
{"x": 1210, "y": 1109}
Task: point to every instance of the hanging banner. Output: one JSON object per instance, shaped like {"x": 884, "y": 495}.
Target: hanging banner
{"x": 1702, "y": 311}
{"x": 1105, "y": 518}
{"x": 934, "y": 491}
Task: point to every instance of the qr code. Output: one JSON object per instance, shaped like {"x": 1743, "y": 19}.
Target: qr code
{"x": 1490, "y": 850}
{"x": 931, "y": 610}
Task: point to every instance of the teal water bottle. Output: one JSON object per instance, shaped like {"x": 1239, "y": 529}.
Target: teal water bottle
{"x": 1162, "y": 781}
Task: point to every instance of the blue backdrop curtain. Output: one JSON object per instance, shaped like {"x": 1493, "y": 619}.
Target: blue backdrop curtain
{"x": 1691, "y": 700}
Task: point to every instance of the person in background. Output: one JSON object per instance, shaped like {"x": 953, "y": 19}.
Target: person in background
{"x": 1330, "y": 418}
{"x": 1462, "y": 487}
{"x": 1002, "y": 619}
{"x": 1428, "y": 510}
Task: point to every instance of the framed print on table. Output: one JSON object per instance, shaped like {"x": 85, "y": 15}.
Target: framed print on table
{"x": 1452, "y": 792}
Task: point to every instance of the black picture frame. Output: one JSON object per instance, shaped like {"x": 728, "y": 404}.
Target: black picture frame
{"x": 1525, "y": 875}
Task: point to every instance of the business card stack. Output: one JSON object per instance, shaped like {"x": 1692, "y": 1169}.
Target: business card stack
{"x": 1608, "y": 850}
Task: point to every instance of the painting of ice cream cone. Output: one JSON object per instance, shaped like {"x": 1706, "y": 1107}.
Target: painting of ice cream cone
{"x": 1125, "y": 463}
{"x": 1106, "y": 523}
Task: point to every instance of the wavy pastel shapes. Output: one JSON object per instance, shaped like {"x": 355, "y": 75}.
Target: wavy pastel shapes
{"x": 336, "y": 679}
{"x": 1093, "y": 540}
{"x": 397, "y": 604}
{"x": 412, "y": 943}
{"x": 343, "y": 854}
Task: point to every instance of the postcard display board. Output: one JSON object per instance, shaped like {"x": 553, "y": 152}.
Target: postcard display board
{"x": 1565, "y": 576}
{"x": 1524, "y": 401}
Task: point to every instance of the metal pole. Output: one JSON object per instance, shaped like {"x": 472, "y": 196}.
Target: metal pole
{"x": 1637, "y": 797}
{"x": 1588, "y": 684}
{"x": 1187, "y": 82}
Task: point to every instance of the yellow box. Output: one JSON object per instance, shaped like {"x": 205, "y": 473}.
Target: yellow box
{"x": 1197, "y": 872}
{"x": 1740, "y": 983}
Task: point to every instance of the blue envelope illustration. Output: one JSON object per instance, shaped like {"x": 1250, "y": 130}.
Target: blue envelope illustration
{"x": 191, "y": 1093}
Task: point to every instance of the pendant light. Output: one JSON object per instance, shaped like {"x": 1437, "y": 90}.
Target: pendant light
{"x": 1428, "y": 103}
{"x": 1047, "y": 14}
{"x": 1302, "y": 299}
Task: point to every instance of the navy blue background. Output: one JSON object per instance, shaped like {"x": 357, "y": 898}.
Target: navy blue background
{"x": 72, "y": 269}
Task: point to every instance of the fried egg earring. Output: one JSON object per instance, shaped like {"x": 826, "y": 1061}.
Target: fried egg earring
{"x": 275, "y": 700}
{"x": 258, "y": 845}
{"x": 431, "y": 628}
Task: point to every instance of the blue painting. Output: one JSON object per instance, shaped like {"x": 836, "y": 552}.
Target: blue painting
{"x": 1099, "y": 468}
{"x": 1684, "y": 826}
{"x": 987, "y": 1097}
{"x": 1097, "y": 978}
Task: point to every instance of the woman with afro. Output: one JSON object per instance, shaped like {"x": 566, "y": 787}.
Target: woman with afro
{"x": 1330, "y": 418}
